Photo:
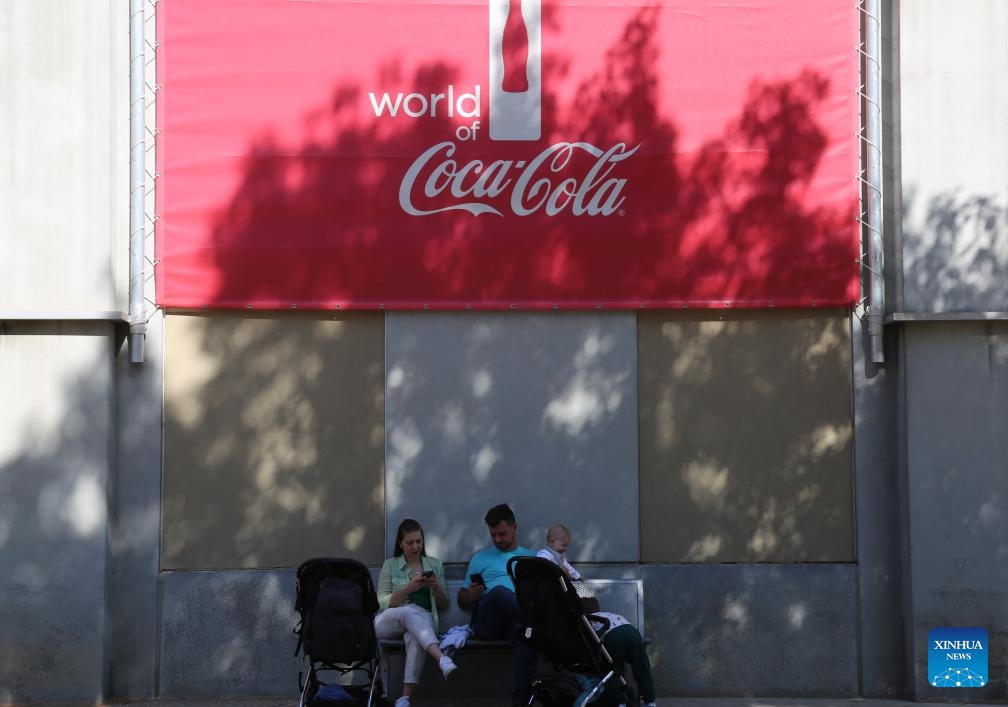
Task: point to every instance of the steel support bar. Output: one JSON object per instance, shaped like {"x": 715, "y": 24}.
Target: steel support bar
{"x": 137, "y": 306}
{"x": 872, "y": 119}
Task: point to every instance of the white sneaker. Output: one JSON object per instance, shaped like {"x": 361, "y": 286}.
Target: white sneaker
{"x": 649, "y": 704}
{"x": 402, "y": 702}
{"x": 447, "y": 666}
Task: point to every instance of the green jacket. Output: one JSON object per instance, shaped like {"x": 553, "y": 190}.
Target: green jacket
{"x": 395, "y": 576}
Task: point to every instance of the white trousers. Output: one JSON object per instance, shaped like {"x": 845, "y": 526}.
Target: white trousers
{"x": 416, "y": 626}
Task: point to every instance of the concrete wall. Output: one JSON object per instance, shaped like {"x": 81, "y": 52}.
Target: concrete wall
{"x": 954, "y": 249}
{"x": 539, "y": 410}
{"x": 745, "y": 445}
{"x": 63, "y": 221}
{"x": 954, "y": 104}
{"x": 55, "y": 424}
{"x": 535, "y": 410}
{"x": 957, "y": 466}
{"x": 228, "y": 634}
{"x": 273, "y": 440}
{"x": 64, "y": 146}
{"x": 134, "y": 555}
{"x": 878, "y": 454}
{"x": 488, "y": 407}
{"x": 752, "y": 629}
{"x": 718, "y": 630}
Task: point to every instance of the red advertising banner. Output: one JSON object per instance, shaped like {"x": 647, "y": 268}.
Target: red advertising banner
{"x": 507, "y": 153}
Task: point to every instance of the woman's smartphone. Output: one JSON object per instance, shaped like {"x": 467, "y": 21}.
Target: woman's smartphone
{"x": 476, "y": 579}
{"x": 428, "y": 574}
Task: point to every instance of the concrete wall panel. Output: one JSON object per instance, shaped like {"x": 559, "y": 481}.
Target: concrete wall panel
{"x": 753, "y": 630}
{"x": 954, "y": 150}
{"x": 957, "y": 437}
{"x": 787, "y": 630}
{"x": 135, "y": 521}
{"x": 54, "y": 461}
{"x": 537, "y": 410}
{"x": 228, "y": 634}
{"x": 273, "y": 440}
{"x": 882, "y": 585}
{"x": 746, "y": 437}
{"x": 64, "y": 122}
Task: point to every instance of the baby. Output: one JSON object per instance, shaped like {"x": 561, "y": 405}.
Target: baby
{"x": 624, "y": 644}
{"x": 557, "y": 540}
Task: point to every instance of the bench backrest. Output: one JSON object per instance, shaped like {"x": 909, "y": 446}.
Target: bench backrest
{"x": 617, "y": 596}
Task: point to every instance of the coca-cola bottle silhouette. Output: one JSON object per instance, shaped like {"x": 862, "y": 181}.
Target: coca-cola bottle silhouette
{"x": 515, "y": 50}
{"x": 515, "y": 69}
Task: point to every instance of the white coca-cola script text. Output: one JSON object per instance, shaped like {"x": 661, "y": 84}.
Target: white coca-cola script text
{"x": 533, "y": 186}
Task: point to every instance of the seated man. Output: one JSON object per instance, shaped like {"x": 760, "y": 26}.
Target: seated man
{"x": 493, "y": 602}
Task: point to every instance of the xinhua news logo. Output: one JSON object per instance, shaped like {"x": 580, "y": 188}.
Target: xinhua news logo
{"x": 957, "y": 657}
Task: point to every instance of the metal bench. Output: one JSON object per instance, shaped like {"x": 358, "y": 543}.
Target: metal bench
{"x": 618, "y": 596}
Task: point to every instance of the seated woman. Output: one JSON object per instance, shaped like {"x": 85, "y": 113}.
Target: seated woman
{"x": 410, "y": 592}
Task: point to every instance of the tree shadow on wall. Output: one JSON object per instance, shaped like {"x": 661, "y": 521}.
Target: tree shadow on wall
{"x": 746, "y": 426}
{"x": 274, "y": 440}
{"x": 714, "y": 205}
{"x": 54, "y": 467}
{"x": 955, "y": 260}
{"x": 735, "y": 199}
{"x": 537, "y": 410}
{"x": 955, "y": 253}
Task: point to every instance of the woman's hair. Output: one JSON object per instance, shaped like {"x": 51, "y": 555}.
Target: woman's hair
{"x": 408, "y": 526}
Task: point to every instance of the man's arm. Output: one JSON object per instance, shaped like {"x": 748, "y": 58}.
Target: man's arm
{"x": 468, "y": 594}
{"x": 465, "y": 598}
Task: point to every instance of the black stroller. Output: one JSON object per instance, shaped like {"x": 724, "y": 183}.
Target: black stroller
{"x": 554, "y": 624}
{"x": 337, "y": 604}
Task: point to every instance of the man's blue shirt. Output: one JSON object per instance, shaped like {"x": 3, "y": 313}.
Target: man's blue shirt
{"x": 492, "y": 564}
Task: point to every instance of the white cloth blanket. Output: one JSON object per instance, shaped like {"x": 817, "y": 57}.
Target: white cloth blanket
{"x": 455, "y": 638}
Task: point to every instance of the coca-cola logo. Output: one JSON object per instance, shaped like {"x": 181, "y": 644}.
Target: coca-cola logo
{"x": 537, "y": 185}
{"x": 577, "y": 177}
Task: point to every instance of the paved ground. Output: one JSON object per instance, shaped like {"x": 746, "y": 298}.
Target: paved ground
{"x": 662, "y": 702}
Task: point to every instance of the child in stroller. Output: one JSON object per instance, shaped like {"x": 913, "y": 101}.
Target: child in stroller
{"x": 625, "y": 645}
{"x": 553, "y": 623}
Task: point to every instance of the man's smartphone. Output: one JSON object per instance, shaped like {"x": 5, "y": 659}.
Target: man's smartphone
{"x": 428, "y": 574}
{"x": 476, "y": 579}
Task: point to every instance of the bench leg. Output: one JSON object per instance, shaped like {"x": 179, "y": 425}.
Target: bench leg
{"x": 383, "y": 661}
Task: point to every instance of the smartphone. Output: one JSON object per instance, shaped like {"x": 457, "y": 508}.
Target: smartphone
{"x": 428, "y": 574}
{"x": 476, "y": 579}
